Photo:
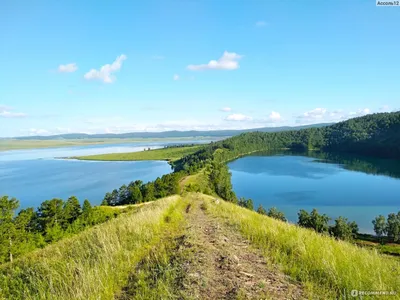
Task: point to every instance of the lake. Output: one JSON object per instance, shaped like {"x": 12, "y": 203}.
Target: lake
{"x": 357, "y": 188}
{"x": 33, "y": 175}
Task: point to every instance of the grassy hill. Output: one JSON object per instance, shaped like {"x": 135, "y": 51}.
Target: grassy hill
{"x": 169, "y": 154}
{"x": 197, "y": 246}
{"x": 189, "y": 246}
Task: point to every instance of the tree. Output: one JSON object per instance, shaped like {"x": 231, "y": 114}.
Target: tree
{"x": 261, "y": 210}
{"x": 7, "y": 227}
{"x": 273, "y": 212}
{"x": 25, "y": 219}
{"x": 393, "y": 226}
{"x": 86, "y": 208}
{"x": 114, "y": 198}
{"x": 136, "y": 195}
{"x": 354, "y": 228}
{"x": 72, "y": 210}
{"x": 313, "y": 220}
{"x": 54, "y": 233}
{"x": 220, "y": 180}
{"x": 50, "y": 213}
{"x": 107, "y": 199}
{"x": 304, "y": 219}
{"x": 148, "y": 192}
{"x": 246, "y": 203}
{"x": 380, "y": 226}
{"x": 123, "y": 195}
{"x": 343, "y": 229}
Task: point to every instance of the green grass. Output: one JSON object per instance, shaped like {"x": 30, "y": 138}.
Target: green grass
{"x": 160, "y": 274}
{"x": 11, "y": 144}
{"x": 387, "y": 248}
{"x": 328, "y": 269}
{"x": 92, "y": 265}
{"x": 198, "y": 182}
{"x": 169, "y": 154}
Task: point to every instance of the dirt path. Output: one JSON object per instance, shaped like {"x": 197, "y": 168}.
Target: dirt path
{"x": 224, "y": 266}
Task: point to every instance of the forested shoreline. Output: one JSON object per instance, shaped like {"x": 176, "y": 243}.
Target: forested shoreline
{"x": 376, "y": 135}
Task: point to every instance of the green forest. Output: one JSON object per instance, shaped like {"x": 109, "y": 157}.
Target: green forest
{"x": 51, "y": 221}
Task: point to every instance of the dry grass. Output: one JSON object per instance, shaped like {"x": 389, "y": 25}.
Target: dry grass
{"x": 92, "y": 265}
{"x": 329, "y": 269}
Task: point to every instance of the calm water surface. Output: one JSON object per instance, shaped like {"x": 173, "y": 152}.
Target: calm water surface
{"x": 354, "y": 187}
{"x": 33, "y": 175}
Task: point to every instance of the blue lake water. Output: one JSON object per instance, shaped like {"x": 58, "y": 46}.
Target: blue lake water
{"x": 33, "y": 175}
{"x": 354, "y": 187}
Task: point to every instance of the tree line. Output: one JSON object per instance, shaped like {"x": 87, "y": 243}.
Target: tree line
{"x": 138, "y": 192}
{"x": 342, "y": 228}
{"x": 389, "y": 227}
{"x": 52, "y": 220}
{"x": 375, "y": 135}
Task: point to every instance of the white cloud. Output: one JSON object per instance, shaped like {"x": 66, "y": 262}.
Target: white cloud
{"x": 176, "y": 77}
{"x": 105, "y": 72}
{"x": 261, "y": 24}
{"x": 275, "y": 116}
{"x": 360, "y": 112}
{"x": 6, "y": 112}
{"x": 321, "y": 115}
{"x": 226, "y": 109}
{"x": 68, "y": 68}
{"x": 36, "y": 131}
{"x": 238, "y": 117}
{"x": 313, "y": 115}
{"x": 228, "y": 61}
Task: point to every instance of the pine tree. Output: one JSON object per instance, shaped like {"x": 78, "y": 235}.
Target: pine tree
{"x": 72, "y": 210}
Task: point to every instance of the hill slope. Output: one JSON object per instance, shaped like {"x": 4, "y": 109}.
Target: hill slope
{"x": 198, "y": 246}
{"x": 375, "y": 135}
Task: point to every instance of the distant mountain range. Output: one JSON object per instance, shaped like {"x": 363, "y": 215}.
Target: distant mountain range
{"x": 167, "y": 134}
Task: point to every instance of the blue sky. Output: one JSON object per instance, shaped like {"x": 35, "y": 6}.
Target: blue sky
{"x": 102, "y": 66}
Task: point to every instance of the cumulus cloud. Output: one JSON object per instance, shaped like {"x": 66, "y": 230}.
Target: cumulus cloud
{"x": 105, "y": 73}
{"x": 176, "y": 77}
{"x": 261, "y": 24}
{"x": 68, "y": 68}
{"x": 238, "y": 117}
{"x": 360, "y": 112}
{"x": 228, "y": 61}
{"x": 6, "y": 112}
{"x": 271, "y": 119}
{"x": 275, "y": 116}
{"x": 320, "y": 115}
{"x": 315, "y": 114}
{"x": 226, "y": 109}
